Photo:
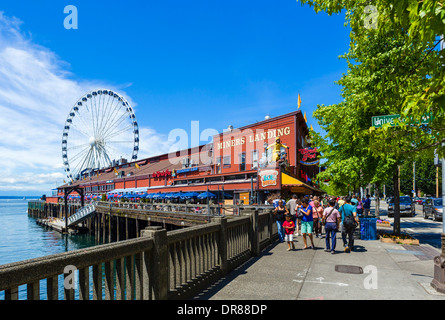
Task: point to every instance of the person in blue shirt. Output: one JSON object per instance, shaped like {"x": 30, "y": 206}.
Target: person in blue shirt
{"x": 275, "y": 202}
{"x": 307, "y": 222}
{"x": 367, "y": 205}
{"x": 348, "y": 210}
{"x": 354, "y": 201}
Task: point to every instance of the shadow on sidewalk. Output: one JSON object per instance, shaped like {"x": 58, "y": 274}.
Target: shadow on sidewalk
{"x": 207, "y": 293}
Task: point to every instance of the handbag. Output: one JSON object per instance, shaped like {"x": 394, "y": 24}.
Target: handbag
{"x": 323, "y": 220}
{"x": 300, "y": 214}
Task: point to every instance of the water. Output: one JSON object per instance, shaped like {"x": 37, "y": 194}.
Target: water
{"x": 21, "y": 238}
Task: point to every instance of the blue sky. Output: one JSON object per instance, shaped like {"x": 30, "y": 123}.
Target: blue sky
{"x": 219, "y": 63}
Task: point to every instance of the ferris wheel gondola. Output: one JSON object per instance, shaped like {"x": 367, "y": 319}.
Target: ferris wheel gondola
{"x": 100, "y": 128}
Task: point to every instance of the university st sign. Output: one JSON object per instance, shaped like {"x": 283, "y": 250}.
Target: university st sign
{"x": 394, "y": 119}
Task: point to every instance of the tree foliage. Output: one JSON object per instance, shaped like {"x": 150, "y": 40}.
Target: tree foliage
{"x": 394, "y": 67}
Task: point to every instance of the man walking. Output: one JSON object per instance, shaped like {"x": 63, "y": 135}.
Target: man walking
{"x": 349, "y": 223}
{"x": 367, "y": 205}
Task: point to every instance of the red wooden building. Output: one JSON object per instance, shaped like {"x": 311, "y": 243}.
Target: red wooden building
{"x": 248, "y": 163}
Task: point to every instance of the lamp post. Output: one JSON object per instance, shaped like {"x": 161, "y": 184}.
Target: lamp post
{"x": 414, "y": 179}
{"x": 438, "y": 282}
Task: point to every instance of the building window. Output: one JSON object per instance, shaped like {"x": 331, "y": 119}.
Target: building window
{"x": 242, "y": 161}
{"x": 185, "y": 162}
{"x": 218, "y": 165}
{"x": 226, "y": 162}
{"x": 255, "y": 159}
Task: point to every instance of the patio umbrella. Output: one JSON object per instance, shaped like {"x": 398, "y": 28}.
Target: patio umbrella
{"x": 206, "y": 195}
{"x": 159, "y": 196}
{"x": 189, "y": 195}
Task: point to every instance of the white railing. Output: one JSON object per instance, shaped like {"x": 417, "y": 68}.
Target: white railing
{"x": 81, "y": 214}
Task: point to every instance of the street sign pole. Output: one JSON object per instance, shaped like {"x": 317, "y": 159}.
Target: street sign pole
{"x": 414, "y": 179}
{"x": 443, "y": 204}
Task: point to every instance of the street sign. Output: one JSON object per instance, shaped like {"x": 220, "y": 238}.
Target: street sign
{"x": 437, "y": 161}
{"x": 379, "y": 121}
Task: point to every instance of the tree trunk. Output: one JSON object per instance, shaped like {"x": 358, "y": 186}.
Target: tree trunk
{"x": 377, "y": 201}
{"x": 396, "y": 203}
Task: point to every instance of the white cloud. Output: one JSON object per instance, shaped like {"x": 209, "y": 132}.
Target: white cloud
{"x": 36, "y": 95}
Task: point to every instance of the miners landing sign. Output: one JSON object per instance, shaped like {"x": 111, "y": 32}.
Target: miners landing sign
{"x": 268, "y": 177}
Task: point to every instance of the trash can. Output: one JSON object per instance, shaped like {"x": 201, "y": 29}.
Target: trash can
{"x": 368, "y": 228}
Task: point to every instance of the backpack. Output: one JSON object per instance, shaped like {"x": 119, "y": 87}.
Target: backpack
{"x": 349, "y": 221}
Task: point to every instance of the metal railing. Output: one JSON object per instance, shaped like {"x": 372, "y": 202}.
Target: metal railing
{"x": 203, "y": 209}
{"x": 81, "y": 214}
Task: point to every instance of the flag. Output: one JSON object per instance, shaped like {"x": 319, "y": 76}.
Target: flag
{"x": 312, "y": 128}
{"x": 136, "y": 166}
{"x": 115, "y": 171}
{"x": 299, "y": 100}
{"x": 305, "y": 119}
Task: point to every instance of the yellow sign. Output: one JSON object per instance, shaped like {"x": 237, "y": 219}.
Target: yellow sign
{"x": 244, "y": 197}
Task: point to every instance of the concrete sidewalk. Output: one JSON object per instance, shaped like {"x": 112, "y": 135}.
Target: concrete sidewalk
{"x": 390, "y": 272}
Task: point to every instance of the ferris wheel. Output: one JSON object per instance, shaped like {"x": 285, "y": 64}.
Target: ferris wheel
{"x": 100, "y": 128}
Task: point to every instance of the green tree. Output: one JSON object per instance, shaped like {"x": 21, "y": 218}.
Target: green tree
{"x": 425, "y": 175}
{"x": 394, "y": 68}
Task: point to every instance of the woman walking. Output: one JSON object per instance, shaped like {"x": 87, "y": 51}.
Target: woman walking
{"x": 317, "y": 215}
{"x": 331, "y": 219}
{"x": 280, "y": 214}
{"x": 307, "y": 223}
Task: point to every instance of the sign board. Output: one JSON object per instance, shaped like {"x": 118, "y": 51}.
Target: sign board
{"x": 308, "y": 153}
{"x": 187, "y": 170}
{"x": 244, "y": 197}
{"x": 437, "y": 161}
{"x": 269, "y": 178}
{"x": 379, "y": 121}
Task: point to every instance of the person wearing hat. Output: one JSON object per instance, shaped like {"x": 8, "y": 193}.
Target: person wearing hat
{"x": 289, "y": 228}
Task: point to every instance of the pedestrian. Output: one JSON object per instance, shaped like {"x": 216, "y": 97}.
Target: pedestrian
{"x": 292, "y": 206}
{"x": 359, "y": 207}
{"x": 367, "y": 205}
{"x": 275, "y": 202}
{"x": 299, "y": 217}
{"x": 280, "y": 213}
{"x": 317, "y": 215}
{"x": 325, "y": 202}
{"x": 354, "y": 201}
{"x": 349, "y": 222}
{"x": 341, "y": 202}
{"x": 307, "y": 223}
{"x": 331, "y": 221}
{"x": 311, "y": 202}
{"x": 289, "y": 228}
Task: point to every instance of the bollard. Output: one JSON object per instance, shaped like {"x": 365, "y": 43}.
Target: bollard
{"x": 438, "y": 282}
